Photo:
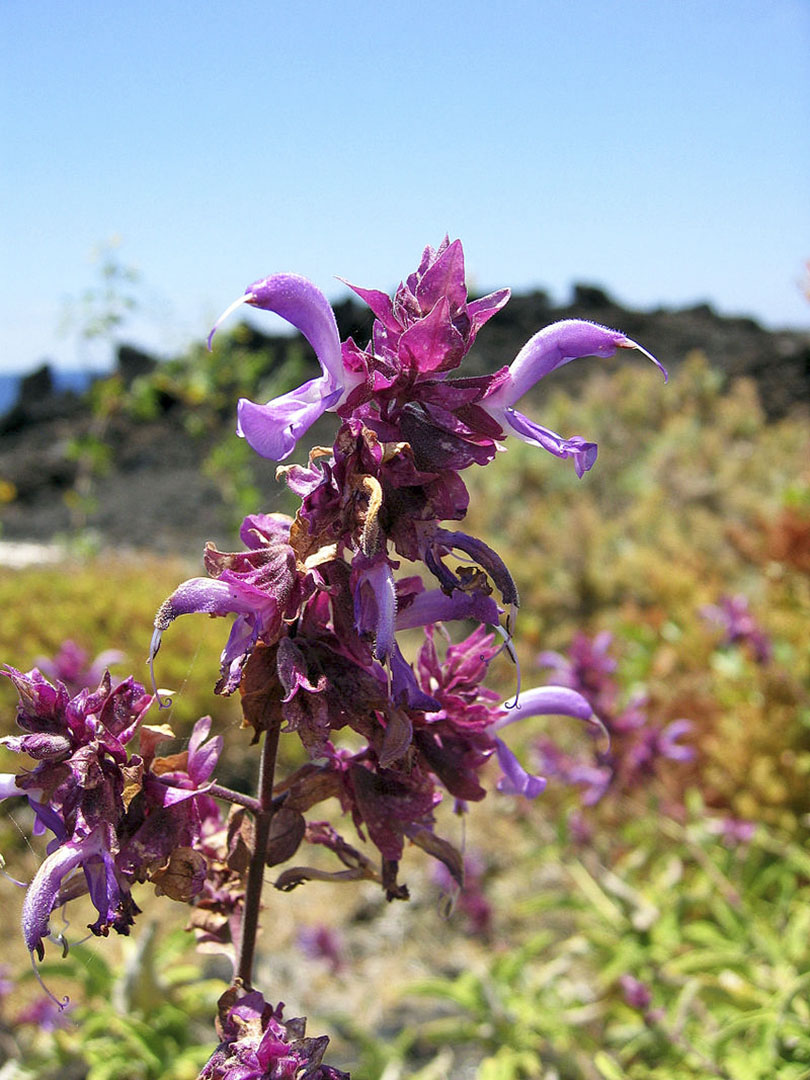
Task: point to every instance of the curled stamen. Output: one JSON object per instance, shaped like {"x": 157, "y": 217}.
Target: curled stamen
{"x": 61, "y": 1005}
{"x": 628, "y": 343}
{"x": 154, "y": 648}
{"x": 244, "y": 299}
{"x": 510, "y": 649}
{"x": 603, "y": 731}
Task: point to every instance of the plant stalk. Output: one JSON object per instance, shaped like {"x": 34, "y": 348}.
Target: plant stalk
{"x": 255, "y": 881}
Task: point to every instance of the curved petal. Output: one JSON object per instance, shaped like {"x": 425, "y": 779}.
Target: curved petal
{"x": 584, "y": 453}
{"x": 433, "y": 605}
{"x": 548, "y": 350}
{"x": 540, "y": 701}
{"x": 558, "y": 344}
{"x": 516, "y": 780}
{"x": 303, "y": 305}
{"x": 274, "y": 429}
{"x": 43, "y": 892}
{"x": 547, "y": 701}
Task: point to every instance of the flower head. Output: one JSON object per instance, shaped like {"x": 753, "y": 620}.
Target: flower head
{"x": 115, "y": 817}
{"x": 548, "y": 350}
{"x": 398, "y": 384}
{"x": 258, "y": 1044}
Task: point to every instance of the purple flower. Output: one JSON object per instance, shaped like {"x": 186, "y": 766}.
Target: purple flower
{"x": 636, "y": 993}
{"x": 398, "y": 386}
{"x": 740, "y": 627}
{"x": 588, "y": 668}
{"x": 322, "y": 943}
{"x": 258, "y": 1044}
{"x": 541, "y": 701}
{"x": 548, "y": 350}
{"x": 45, "y": 1014}
{"x": 732, "y": 831}
{"x": 70, "y": 666}
{"x": 115, "y": 818}
{"x": 273, "y": 429}
{"x": 261, "y": 586}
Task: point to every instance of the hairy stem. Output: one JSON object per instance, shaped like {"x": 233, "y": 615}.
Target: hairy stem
{"x": 255, "y": 881}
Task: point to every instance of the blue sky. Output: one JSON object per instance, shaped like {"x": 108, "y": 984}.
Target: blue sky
{"x": 657, "y": 148}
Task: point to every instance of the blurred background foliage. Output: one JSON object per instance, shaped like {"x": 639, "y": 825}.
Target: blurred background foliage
{"x": 660, "y": 933}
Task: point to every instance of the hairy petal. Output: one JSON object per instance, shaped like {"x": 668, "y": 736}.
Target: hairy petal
{"x": 556, "y": 345}
{"x": 43, "y": 892}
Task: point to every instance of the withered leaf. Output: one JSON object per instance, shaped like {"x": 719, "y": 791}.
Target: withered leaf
{"x": 261, "y": 691}
{"x": 286, "y": 833}
{"x": 182, "y": 877}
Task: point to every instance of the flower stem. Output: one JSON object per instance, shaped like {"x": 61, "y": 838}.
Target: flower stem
{"x": 217, "y": 791}
{"x": 255, "y": 881}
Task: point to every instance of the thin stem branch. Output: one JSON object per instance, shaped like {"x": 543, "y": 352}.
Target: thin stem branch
{"x": 255, "y": 881}
{"x": 216, "y": 791}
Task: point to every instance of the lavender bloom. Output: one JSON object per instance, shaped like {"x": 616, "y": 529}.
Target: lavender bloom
{"x": 45, "y": 1014}
{"x": 423, "y": 332}
{"x": 273, "y": 429}
{"x": 734, "y": 832}
{"x": 734, "y": 617}
{"x": 588, "y": 668}
{"x": 261, "y": 586}
{"x": 637, "y": 743}
{"x": 542, "y": 701}
{"x": 636, "y": 993}
{"x": 322, "y": 943}
{"x": 548, "y": 350}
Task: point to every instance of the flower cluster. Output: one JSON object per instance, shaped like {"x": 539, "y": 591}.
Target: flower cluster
{"x": 115, "y": 817}
{"x": 317, "y": 601}
{"x": 258, "y": 1044}
{"x": 316, "y": 648}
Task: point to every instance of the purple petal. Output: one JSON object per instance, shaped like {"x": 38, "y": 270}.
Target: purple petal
{"x": 433, "y": 343}
{"x": 584, "y": 453}
{"x": 303, "y": 305}
{"x": 445, "y": 278}
{"x": 405, "y": 690}
{"x": 202, "y": 755}
{"x": 274, "y": 429}
{"x": 547, "y": 701}
{"x": 42, "y": 894}
{"x": 380, "y": 304}
{"x": 375, "y": 603}
{"x": 481, "y": 311}
{"x": 515, "y": 779}
{"x": 433, "y": 605}
{"x": 558, "y": 344}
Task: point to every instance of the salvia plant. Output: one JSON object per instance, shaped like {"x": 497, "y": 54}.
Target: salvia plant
{"x": 314, "y": 651}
